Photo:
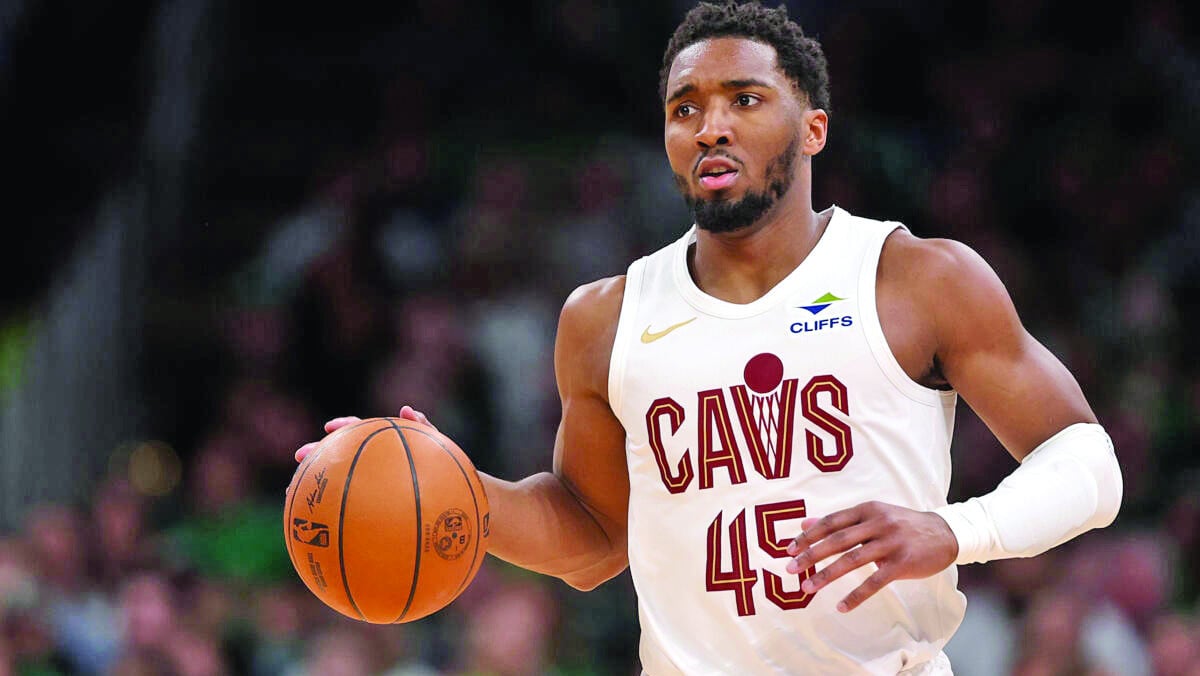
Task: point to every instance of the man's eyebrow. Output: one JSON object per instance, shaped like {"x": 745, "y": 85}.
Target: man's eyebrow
{"x": 749, "y": 82}
{"x": 681, "y": 92}
{"x": 727, "y": 84}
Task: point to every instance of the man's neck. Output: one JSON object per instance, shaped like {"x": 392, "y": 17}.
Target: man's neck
{"x": 742, "y": 266}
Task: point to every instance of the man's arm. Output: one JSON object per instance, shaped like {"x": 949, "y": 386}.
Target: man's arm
{"x": 974, "y": 340}
{"x": 1017, "y": 387}
{"x": 571, "y": 522}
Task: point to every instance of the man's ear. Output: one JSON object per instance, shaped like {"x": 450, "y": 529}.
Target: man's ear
{"x": 813, "y": 127}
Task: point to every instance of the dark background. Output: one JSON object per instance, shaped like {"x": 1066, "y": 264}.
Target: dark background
{"x": 229, "y": 222}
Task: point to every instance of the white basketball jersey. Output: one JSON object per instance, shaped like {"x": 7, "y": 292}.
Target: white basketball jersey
{"x": 742, "y": 420}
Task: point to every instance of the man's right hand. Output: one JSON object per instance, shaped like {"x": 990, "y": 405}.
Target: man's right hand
{"x": 407, "y": 412}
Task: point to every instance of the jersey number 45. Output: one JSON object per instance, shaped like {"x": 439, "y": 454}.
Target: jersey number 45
{"x": 740, "y": 578}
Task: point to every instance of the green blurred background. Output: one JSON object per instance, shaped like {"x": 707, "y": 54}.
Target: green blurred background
{"x": 233, "y": 221}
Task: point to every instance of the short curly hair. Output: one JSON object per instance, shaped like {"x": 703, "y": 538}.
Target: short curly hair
{"x": 800, "y": 57}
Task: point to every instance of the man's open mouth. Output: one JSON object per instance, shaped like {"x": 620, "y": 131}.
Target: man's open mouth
{"x": 718, "y": 178}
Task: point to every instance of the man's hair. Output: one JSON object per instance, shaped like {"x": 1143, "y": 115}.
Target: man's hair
{"x": 798, "y": 56}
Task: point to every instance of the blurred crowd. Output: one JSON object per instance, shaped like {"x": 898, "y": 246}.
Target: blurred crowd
{"x": 426, "y": 266}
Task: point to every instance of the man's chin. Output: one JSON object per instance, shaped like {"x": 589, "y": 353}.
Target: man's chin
{"x": 729, "y": 214}
{"x": 714, "y": 196}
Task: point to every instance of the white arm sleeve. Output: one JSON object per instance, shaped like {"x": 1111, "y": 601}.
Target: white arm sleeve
{"x": 1068, "y": 485}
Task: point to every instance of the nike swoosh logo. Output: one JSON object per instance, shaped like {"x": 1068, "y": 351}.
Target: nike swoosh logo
{"x": 649, "y": 336}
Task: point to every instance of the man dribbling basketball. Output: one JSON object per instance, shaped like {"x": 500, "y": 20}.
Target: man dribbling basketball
{"x": 757, "y": 418}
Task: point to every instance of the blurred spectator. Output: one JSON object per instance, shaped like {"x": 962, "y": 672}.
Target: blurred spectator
{"x": 1175, "y": 645}
{"x": 272, "y": 423}
{"x": 118, "y": 531}
{"x": 433, "y": 367}
{"x": 337, "y": 651}
{"x": 79, "y": 614}
{"x": 231, "y": 531}
{"x": 194, "y": 654}
{"x": 147, "y": 618}
{"x": 510, "y": 632}
{"x": 278, "y": 626}
{"x": 367, "y": 221}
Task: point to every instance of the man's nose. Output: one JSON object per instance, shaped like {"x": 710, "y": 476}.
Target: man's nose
{"x": 715, "y": 130}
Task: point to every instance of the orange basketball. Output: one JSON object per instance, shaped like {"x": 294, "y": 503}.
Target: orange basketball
{"x": 386, "y": 521}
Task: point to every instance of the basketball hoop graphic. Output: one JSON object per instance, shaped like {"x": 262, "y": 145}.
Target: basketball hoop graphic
{"x": 766, "y": 407}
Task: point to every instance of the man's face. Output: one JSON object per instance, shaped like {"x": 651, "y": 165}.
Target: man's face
{"x": 732, "y": 130}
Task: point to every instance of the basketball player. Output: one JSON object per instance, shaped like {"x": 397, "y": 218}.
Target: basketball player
{"x": 757, "y": 418}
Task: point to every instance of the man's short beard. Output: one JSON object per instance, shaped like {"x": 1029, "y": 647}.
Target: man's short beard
{"x": 723, "y": 215}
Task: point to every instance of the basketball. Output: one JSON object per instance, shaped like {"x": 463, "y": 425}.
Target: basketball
{"x": 386, "y": 521}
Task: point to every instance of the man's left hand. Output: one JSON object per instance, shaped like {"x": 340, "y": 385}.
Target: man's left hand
{"x": 905, "y": 545}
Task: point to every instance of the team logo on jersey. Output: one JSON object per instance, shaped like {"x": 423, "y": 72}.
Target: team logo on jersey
{"x": 758, "y": 422}
{"x": 818, "y": 306}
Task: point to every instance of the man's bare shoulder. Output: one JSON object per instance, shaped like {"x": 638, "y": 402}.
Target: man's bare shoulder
{"x": 934, "y": 256}
{"x": 959, "y": 301}
{"x": 587, "y": 328}
{"x": 937, "y": 269}
{"x": 595, "y": 305}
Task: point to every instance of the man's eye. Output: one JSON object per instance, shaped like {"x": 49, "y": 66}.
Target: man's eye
{"x": 684, "y": 110}
{"x": 745, "y": 100}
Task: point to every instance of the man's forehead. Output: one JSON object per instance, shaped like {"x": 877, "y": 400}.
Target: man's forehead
{"x": 723, "y": 59}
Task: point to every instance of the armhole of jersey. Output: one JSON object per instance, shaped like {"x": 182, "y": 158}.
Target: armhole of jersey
{"x": 623, "y": 337}
{"x": 876, "y": 339}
